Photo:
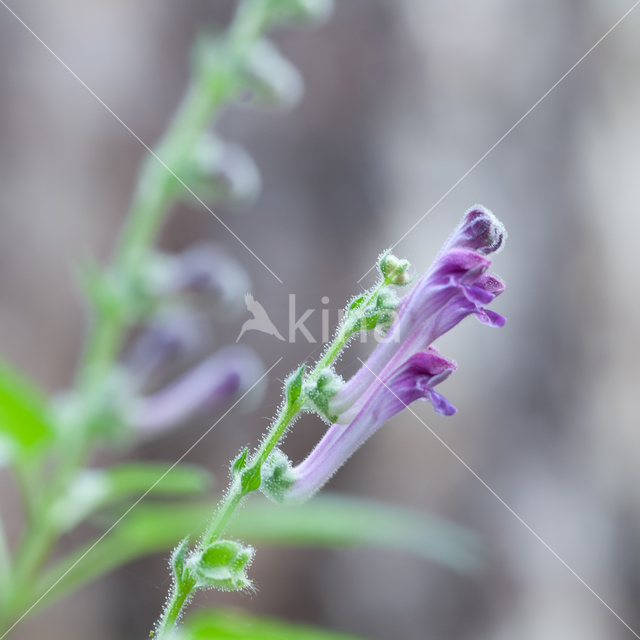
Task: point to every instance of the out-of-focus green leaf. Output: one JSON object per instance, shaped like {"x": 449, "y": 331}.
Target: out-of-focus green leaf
{"x": 223, "y": 624}
{"x": 97, "y": 488}
{"x": 332, "y": 520}
{"x": 138, "y": 477}
{"x": 327, "y": 521}
{"x": 24, "y": 426}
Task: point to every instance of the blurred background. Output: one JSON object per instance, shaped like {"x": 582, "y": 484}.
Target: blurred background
{"x": 402, "y": 98}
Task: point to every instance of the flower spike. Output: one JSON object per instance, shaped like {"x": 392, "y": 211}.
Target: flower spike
{"x": 408, "y": 367}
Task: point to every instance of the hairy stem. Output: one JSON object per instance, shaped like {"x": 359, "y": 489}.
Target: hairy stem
{"x": 159, "y": 182}
{"x": 173, "y": 610}
{"x": 237, "y": 491}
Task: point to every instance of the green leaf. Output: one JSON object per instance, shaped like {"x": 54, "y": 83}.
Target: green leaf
{"x": 139, "y": 477}
{"x": 96, "y": 488}
{"x": 344, "y": 521}
{"x": 327, "y": 521}
{"x": 25, "y": 428}
{"x": 223, "y": 624}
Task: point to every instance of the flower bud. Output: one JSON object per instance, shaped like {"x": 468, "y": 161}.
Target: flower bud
{"x": 377, "y": 315}
{"x": 393, "y": 269}
{"x": 479, "y": 230}
{"x": 222, "y": 565}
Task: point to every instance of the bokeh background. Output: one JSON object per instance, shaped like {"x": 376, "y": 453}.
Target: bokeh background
{"x": 402, "y": 98}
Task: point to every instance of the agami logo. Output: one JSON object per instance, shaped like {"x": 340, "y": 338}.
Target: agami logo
{"x": 260, "y": 320}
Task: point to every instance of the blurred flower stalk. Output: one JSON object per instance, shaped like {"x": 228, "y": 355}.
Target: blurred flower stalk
{"x": 149, "y": 311}
{"x": 403, "y": 368}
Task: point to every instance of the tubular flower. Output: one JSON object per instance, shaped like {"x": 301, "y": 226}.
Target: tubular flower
{"x": 406, "y": 367}
{"x": 227, "y": 374}
{"x": 455, "y": 287}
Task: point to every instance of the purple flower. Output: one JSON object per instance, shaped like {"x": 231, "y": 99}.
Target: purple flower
{"x": 413, "y": 380}
{"x": 173, "y": 336}
{"x": 227, "y": 374}
{"x": 406, "y": 367}
{"x": 455, "y": 287}
{"x": 203, "y": 271}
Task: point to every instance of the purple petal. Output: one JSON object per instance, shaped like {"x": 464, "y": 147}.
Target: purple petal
{"x": 479, "y": 230}
{"x": 493, "y": 319}
{"x": 440, "y": 404}
{"x": 174, "y": 335}
{"x": 419, "y": 318}
{"x": 413, "y": 381}
{"x": 225, "y": 375}
{"x": 478, "y": 295}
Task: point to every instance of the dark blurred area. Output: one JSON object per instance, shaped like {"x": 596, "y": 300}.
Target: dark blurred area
{"x": 401, "y": 99}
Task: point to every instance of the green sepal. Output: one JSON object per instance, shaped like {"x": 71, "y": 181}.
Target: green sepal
{"x": 101, "y": 412}
{"x": 322, "y": 390}
{"x": 219, "y": 170}
{"x": 178, "y": 560}
{"x": 222, "y": 565}
{"x": 269, "y": 79}
{"x": 293, "y": 384}
{"x": 102, "y": 289}
{"x": 277, "y": 477}
{"x": 120, "y": 295}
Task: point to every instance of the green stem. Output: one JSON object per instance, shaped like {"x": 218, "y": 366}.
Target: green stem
{"x": 154, "y": 195}
{"x": 236, "y": 492}
{"x": 174, "y": 607}
{"x": 347, "y": 329}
